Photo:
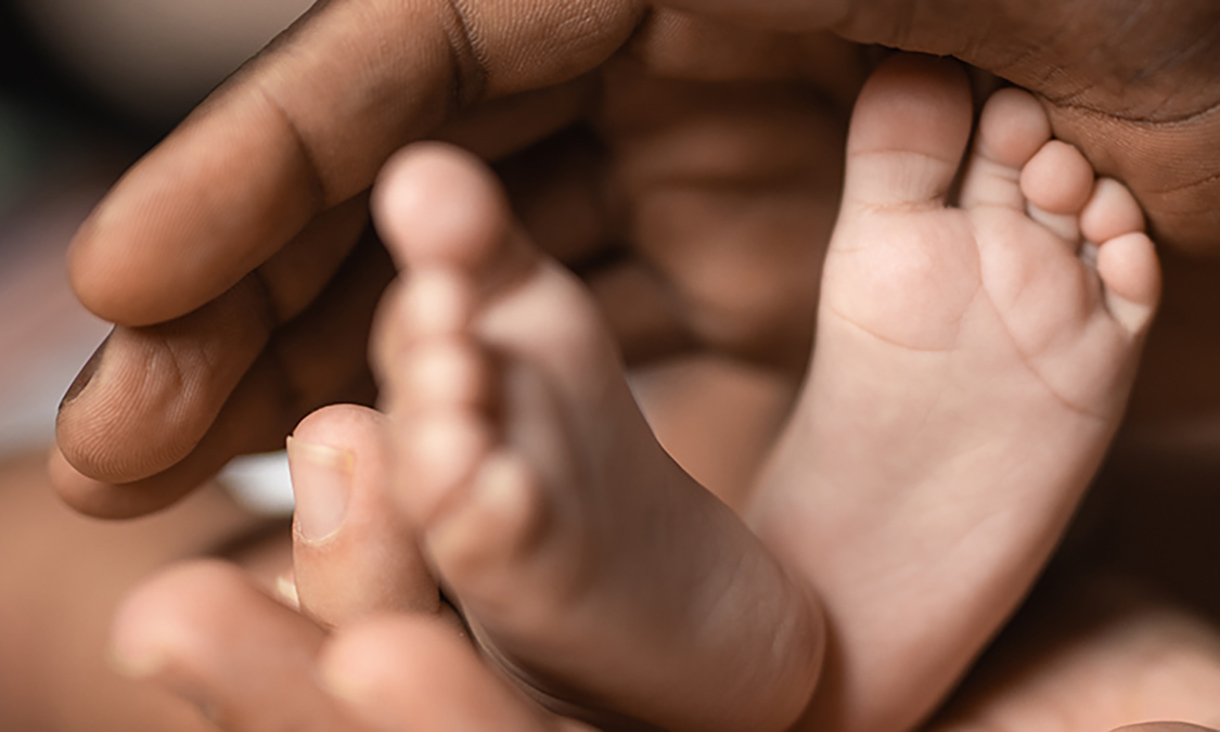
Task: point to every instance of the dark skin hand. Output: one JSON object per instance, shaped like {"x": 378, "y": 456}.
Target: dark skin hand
{"x": 229, "y": 255}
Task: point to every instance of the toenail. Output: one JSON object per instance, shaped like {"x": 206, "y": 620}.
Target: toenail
{"x": 322, "y": 480}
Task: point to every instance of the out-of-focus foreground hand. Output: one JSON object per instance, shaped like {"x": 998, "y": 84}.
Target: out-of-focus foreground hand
{"x": 233, "y": 256}
{"x": 1116, "y": 657}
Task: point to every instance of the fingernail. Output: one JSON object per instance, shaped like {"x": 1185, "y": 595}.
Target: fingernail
{"x": 322, "y": 483}
{"x": 85, "y": 376}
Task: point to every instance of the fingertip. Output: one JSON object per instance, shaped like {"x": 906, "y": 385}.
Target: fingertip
{"x": 71, "y": 486}
{"x": 82, "y": 493}
{"x": 98, "y": 279}
{"x": 394, "y": 670}
{"x": 354, "y": 553}
{"x": 102, "y": 500}
{"x": 205, "y": 632}
{"x": 343, "y": 426}
{"x": 156, "y": 626}
{"x": 357, "y": 660}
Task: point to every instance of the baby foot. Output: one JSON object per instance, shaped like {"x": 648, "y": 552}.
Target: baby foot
{"x": 590, "y": 568}
{"x": 972, "y": 364}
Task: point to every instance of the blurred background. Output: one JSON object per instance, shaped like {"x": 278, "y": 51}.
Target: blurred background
{"x": 86, "y": 86}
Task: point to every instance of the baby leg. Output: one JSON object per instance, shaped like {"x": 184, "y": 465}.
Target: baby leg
{"x": 587, "y": 564}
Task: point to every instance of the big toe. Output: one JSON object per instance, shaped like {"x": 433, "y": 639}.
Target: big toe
{"x": 353, "y": 555}
{"x": 436, "y": 205}
{"x": 908, "y": 133}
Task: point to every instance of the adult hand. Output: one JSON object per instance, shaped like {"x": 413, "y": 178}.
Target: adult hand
{"x": 202, "y": 631}
{"x": 229, "y": 255}
{"x": 251, "y": 663}
{"x": 1079, "y": 651}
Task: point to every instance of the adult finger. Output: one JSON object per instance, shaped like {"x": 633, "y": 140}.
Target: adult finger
{"x": 1141, "y": 104}
{"x": 411, "y": 673}
{"x": 174, "y": 378}
{"x": 204, "y": 631}
{"x": 156, "y": 390}
{"x": 352, "y": 554}
{"x": 306, "y": 125}
{"x": 319, "y": 358}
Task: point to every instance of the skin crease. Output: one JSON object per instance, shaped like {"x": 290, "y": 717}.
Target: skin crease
{"x": 309, "y": 159}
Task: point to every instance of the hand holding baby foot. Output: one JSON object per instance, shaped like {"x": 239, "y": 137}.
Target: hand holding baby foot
{"x": 493, "y": 365}
{"x": 251, "y": 664}
{"x": 259, "y": 192}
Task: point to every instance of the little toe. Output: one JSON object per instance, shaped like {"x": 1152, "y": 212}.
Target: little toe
{"x": 1131, "y": 273}
{"x": 1125, "y": 257}
{"x": 908, "y": 133}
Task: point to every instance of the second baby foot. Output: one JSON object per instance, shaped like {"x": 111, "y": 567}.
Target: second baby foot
{"x": 972, "y": 363}
{"x": 590, "y": 568}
